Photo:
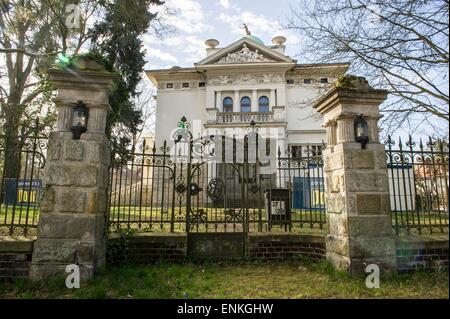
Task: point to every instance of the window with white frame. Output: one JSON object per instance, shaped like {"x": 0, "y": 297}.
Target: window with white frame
{"x": 246, "y": 104}
{"x": 263, "y": 104}
{"x": 228, "y": 104}
{"x": 305, "y": 150}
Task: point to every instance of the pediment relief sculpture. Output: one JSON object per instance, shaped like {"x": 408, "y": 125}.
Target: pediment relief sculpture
{"x": 244, "y": 55}
{"x": 245, "y": 79}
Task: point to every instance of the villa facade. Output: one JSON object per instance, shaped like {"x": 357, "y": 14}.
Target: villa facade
{"x": 242, "y": 82}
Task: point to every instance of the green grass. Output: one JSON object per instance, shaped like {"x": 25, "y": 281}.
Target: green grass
{"x": 233, "y": 280}
{"x": 156, "y": 220}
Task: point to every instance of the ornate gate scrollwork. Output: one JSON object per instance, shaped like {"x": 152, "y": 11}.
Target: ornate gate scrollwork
{"x": 254, "y": 189}
{"x": 234, "y": 215}
{"x": 181, "y": 187}
{"x": 215, "y": 188}
{"x": 195, "y": 189}
{"x": 197, "y": 217}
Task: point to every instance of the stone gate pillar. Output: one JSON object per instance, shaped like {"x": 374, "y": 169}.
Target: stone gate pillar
{"x": 71, "y": 228}
{"x": 356, "y": 180}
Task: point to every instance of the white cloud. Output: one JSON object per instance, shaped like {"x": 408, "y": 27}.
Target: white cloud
{"x": 189, "y": 16}
{"x": 258, "y": 24}
{"x": 157, "y": 53}
{"x": 225, "y": 3}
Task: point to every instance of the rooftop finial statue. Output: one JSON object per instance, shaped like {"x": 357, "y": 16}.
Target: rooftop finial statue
{"x": 247, "y": 31}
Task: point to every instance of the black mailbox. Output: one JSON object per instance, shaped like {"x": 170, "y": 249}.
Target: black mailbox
{"x": 278, "y": 207}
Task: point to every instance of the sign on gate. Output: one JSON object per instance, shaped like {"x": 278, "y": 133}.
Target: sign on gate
{"x": 22, "y": 191}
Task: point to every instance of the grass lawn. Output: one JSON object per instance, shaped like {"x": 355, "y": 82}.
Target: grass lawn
{"x": 233, "y": 280}
{"x": 157, "y": 220}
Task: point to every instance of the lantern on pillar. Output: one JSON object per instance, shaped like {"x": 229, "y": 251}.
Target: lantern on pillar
{"x": 361, "y": 131}
{"x": 80, "y": 117}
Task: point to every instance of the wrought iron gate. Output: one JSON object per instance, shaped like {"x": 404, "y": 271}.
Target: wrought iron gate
{"x": 216, "y": 184}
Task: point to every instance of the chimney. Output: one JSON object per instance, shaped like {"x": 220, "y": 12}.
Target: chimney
{"x": 279, "y": 44}
{"x": 211, "y": 45}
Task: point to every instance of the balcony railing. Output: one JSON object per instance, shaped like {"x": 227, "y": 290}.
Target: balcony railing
{"x": 244, "y": 117}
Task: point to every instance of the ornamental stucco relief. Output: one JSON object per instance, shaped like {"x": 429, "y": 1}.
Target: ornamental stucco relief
{"x": 244, "y": 55}
{"x": 245, "y": 79}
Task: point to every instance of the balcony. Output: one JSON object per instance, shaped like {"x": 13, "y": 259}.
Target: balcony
{"x": 276, "y": 115}
{"x": 244, "y": 117}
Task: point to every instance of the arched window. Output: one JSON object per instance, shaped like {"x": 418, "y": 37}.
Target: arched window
{"x": 263, "y": 104}
{"x": 228, "y": 104}
{"x": 246, "y": 104}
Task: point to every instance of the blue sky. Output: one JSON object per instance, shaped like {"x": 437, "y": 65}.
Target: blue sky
{"x": 199, "y": 20}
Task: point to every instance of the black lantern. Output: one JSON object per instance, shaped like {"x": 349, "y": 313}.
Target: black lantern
{"x": 361, "y": 131}
{"x": 79, "y": 120}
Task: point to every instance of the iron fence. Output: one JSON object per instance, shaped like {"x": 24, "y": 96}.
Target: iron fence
{"x": 160, "y": 189}
{"x": 22, "y": 158}
{"x": 418, "y": 185}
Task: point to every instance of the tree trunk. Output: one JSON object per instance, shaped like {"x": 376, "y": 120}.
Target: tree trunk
{"x": 12, "y": 144}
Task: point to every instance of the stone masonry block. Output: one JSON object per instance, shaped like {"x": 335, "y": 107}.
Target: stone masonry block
{"x": 73, "y": 150}
{"x": 58, "y": 251}
{"x": 96, "y": 202}
{"x": 47, "y": 201}
{"x": 339, "y": 204}
{"x": 351, "y": 205}
{"x": 372, "y": 204}
{"x": 54, "y": 152}
{"x": 337, "y": 224}
{"x": 97, "y": 152}
{"x": 371, "y": 181}
{"x": 335, "y": 203}
{"x": 364, "y": 247}
{"x": 339, "y": 261}
{"x": 69, "y": 200}
{"x": 337, "y": 244}
{"x": 92, "y": 252}
{"x": 333, "y": 161}
{"x": 71, "y": 174}
{"x": 335, "y": 182}
{"x": 370, "y": 226}
{"x": 361, "y": 159}
{"x": 380, "y": 159}
{"x": 103, "y": 177}
{"x": 70, "y": 226}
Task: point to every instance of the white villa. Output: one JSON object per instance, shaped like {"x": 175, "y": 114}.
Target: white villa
{"x": 244, "y": 81}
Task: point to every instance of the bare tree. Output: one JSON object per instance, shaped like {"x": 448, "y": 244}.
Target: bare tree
{"x": 31, "y": 33}
{"x": 398, "y": 45}
{"x": 145, "y": 104}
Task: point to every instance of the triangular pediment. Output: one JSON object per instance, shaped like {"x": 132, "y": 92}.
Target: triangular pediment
{"x": 245, "y": 51}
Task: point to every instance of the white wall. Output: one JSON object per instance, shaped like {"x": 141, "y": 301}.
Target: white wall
{"x": 299, "y": 109}
{"x": 172, "y": 105}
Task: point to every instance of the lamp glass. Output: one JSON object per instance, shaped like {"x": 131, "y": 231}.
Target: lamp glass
{"x": 80, "y": 116}
{"x": 361, "y": 131}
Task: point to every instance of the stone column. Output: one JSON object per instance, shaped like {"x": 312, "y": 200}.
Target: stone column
{"x": 331, "y": 131}
{"x": 219, "y": 100}
{"x": 356, "y": 181}
{"x": 254, "y": 106}
{"x": 73, "y": 207}
{"x": 236, "y": 102}
{"x": 272, "y": 101}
